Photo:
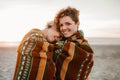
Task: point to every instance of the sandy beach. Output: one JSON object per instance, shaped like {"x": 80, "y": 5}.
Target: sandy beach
{"x": 106, "y": 66}
{"x": 7, "y": 62}
{"x": 107, "y": 62}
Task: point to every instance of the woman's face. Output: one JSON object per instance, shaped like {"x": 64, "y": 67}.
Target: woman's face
{"x": 53, "y": 35}
{"x": 67, "y": 26}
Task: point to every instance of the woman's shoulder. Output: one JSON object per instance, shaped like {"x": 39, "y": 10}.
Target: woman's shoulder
{"x": 35, "y": 30}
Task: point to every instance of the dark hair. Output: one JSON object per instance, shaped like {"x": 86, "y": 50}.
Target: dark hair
{"x": 69, "y": 11}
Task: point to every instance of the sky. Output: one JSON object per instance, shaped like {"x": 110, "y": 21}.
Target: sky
{"x": 98, "y": 18}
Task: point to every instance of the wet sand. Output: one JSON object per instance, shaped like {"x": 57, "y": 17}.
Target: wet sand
{"x": 106, "y": 66}
{"x": 107, "y": 62}
{"x": 7, "y": 62}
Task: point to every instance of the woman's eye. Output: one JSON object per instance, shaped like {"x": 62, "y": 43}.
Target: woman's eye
{"x": 61, "y": 25}
{"x": 68, "y": 23}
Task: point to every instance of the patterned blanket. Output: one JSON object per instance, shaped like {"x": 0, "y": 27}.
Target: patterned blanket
{"x": 75, "y": 60}
{"x": 39, "y": 60}
{"x": 34, "y": 59}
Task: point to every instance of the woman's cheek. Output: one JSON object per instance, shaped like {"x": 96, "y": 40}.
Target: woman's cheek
{"x": 61, "y": 30}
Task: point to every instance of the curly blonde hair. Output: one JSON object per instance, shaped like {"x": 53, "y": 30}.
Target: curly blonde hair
{"x": 50, "y": 24}
{"x": 73, "y": 13}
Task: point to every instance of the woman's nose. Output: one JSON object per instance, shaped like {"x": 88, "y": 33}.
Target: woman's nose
{"x": 63, "y": 27}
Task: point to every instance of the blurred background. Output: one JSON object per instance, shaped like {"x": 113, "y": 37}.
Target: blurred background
{"x": 99, "y": 19}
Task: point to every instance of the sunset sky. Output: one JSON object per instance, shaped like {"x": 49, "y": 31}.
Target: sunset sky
{"x": 98, "y": 18}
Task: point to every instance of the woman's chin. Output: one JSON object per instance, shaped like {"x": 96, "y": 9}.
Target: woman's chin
{"x": 66, "y": 36}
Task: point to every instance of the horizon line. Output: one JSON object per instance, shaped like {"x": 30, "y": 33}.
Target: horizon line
{"x": 85, "y": 38}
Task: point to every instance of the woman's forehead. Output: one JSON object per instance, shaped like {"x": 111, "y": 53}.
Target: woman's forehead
{"x": 66, "y": 19}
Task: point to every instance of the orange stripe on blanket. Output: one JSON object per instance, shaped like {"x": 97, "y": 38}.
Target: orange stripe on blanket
{"x": 67, "y": 61}
{"x": 43, "y": 61}
{"x": 17, "y": 66}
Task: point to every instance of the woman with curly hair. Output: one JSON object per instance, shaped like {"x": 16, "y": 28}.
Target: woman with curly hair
{"x": 75, "y": 60}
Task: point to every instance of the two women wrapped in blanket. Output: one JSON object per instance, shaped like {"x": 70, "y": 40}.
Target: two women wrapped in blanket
{"x": 69, "y": 58}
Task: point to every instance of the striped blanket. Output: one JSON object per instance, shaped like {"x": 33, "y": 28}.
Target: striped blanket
{"x": 34, "y": 59}
{"x": 39, "y": 60}
{"x": 75, "y": 60}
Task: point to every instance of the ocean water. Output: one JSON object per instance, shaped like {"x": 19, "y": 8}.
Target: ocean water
{"x": 104, "y": 41}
